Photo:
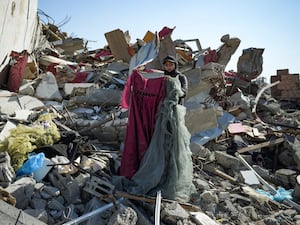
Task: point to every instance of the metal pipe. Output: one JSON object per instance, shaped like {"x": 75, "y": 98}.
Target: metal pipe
{"x": 92, "y": 213}
{"x": 157, "y": 208}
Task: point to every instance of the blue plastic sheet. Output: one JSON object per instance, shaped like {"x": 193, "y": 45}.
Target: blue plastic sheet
{"x": 205, "y": 136}
{"x": 280, "y": 195}
{"x": 33, "y": 163}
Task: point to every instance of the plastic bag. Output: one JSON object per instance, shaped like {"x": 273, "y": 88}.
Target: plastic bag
{"x": 280, "y": 195}
{"x": 34, "y": 162}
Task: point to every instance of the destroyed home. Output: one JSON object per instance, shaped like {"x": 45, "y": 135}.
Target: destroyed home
{"x": 229, "y": 155}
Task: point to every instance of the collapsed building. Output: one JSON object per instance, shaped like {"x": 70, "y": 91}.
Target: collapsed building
{"x": 63, "y": 130}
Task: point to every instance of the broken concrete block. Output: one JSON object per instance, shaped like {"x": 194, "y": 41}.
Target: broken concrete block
{"x": 12, "y": 215}
{"x": 39, "y": 214}
{"x": 9, "y": 105}
{"x": 194, "y": 82}
{"x": 212, "y": 71}
{"x": 52, "y": 191}
{"x": 69, "y": 87}
{"x": 55, "y": 204}
{"x": 208, "y": 202}
{"x": 103, "y": 97}
{"x": 227, "y": 161}
{"x": 270, "y": 221}
{"x": 38, "y": 203}
{"x": 5, "y": 132}
{"x": 209, "y": 197}
{"x": 203, "y": 219}
{"x": 173, "y": 212}
{"x": 124, "y": 215}
{"x": 22, "y": 114}
{"x": 22, "y": 190}
{"x": 234, "y": 212}
{"x": 285, "y": 177}
{"x": 48, "y": 88}
{"x": 223, "y": 195}
{"x": 199, "y": 150}
{"x": 200, "y": 119}
{"x": 26, "y": 89}
{"x": 201, "y": 184}
{"x": 67, "y": 185}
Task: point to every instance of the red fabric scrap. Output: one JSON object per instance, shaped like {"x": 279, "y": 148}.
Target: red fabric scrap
{"x": 164, "y": 32}
{"x": 102, "y": 53}
{"x": 80, "y": 77}
{"x": 16, "y": 71}
{"x": 51, "y": 68}
{"x": 212, "y": 56}
{"x": 142, "y": 97}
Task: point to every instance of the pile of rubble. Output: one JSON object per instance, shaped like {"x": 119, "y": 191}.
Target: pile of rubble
{"x": 63, "y": 129}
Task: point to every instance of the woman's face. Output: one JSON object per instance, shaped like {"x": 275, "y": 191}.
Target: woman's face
{"x": 169, "y": 66}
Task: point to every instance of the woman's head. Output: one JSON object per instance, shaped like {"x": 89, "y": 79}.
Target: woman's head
{"x": 170, "y": 64}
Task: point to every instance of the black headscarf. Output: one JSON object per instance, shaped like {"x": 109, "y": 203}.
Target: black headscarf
{"x": 171, "y": 59}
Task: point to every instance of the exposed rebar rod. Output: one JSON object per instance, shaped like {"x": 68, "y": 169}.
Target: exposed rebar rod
{"x": 157, "y": 208}
{"x": 92, "y": 213}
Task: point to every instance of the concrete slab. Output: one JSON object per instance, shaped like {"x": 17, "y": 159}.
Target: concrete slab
{"x": 10, "y": 215}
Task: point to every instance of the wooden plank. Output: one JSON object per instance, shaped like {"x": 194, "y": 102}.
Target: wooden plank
{"x": 149, "y": 36}
{"x": 218, "y": 172}
{"x": 152, "y": 200}
{"x": 261, "y": 145}
{"x": 118, "y": 45}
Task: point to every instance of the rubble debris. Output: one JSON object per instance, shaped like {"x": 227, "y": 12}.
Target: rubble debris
{"x": 66, "y": 107}
{"x": 226, "y": 50}
{"x": 288, "y": 89}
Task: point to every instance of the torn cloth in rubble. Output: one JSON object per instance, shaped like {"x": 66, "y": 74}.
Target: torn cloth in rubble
{"x": 16, "y": 70}
{"x": 24, "y": 139}
{"x": 142, "y": 97}
{"x": 167, "y": 163}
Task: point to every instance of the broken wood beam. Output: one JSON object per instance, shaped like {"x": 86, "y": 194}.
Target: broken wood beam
{"x": 218, "y": 172}
{"x": 186, "y": 206}
{"x": 261, "y": 145}
{"x": 98, "y": 124}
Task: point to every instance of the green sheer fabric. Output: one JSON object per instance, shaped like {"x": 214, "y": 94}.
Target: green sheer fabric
{"x": 167, "y": 163}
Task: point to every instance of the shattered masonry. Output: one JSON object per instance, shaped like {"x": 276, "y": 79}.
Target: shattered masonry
{"x": 62, "y": 128}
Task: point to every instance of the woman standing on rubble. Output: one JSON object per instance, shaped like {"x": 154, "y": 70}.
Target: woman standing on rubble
{"x": 165, "y": 164}
{"x": 170, "y": 68}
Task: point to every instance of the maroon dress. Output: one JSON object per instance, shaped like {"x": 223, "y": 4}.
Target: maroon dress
{"x": 142, "y": 97}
